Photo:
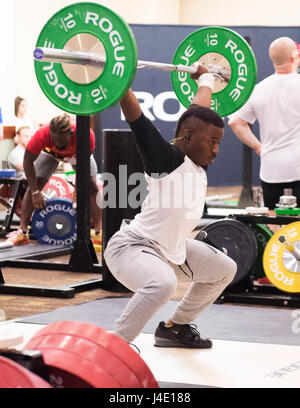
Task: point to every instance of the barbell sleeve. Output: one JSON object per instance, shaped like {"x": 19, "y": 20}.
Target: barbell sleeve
{"x": 68, "y": 57}
{"x": 289, "y": 246}
{"x": 85, "y": 58}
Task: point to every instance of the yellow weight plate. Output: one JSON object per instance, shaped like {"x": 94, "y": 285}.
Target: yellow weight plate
{"x": 281, "y": 265}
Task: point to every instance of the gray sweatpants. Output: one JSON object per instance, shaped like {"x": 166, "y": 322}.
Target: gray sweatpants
{"x": 138, "y": 265}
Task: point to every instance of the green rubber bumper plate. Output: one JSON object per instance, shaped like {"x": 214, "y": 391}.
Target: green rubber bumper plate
{"x": 287, "y": 211}
{"x": 217, "y": 46}
{"x": 121, "y": 58}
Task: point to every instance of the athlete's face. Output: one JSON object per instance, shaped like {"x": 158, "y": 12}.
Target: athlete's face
{"x": 204, "y": 144}
{"x": 25, "y": 136}
{"x": 61, "y": 140}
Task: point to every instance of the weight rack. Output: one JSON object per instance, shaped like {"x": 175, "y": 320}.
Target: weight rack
{"x": 247, "y": 292}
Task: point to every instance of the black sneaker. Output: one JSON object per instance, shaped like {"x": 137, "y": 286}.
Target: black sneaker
{"x": 180, "y": 335}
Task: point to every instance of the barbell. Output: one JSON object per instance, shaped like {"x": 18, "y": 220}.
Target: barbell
{"x": 86, "y": 60}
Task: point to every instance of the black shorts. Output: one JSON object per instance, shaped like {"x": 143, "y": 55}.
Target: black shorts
{"x": 273, "y": 191}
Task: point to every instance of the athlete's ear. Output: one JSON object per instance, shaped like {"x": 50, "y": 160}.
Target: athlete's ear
{"x": 187, "y": 133}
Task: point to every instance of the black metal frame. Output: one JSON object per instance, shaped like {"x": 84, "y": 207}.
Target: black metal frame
{"x": 19, "y": 188}
{"x": 246, "y": 196}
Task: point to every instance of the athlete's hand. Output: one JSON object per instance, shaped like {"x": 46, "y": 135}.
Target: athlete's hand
{"x": 201, "y": 69}
{"x": 38, "y": 201}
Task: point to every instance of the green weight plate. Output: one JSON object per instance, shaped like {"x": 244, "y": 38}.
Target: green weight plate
{"x": 96, "y": 89}
{"x": 263, "y": 235}
{"x": 287, "y": 211}
{"x": 225, "y": 48}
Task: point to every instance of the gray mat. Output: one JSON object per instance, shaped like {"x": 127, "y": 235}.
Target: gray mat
{"x": 221, "y": 322}
{"x": 27, "y": 251}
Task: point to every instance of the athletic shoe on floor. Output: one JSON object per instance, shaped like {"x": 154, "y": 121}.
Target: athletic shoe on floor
{"x": 18, "y": 237}
{"x": 97, "y": 241}
{"x": 97, "y": 238}
{"x": 180, "y": 335}
{"x": 264, "y": 281}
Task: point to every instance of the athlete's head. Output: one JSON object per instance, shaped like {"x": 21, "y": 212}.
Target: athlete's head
{"x": 23, "y": 136}
{"x": 284, "y": 55}
{"x": 20, "y": 107}
{"x": 198, "y": 134}
{"x": 61, "y": 131}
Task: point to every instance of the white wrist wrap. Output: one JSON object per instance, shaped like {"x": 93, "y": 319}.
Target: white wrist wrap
{"x": 207, "y": 80}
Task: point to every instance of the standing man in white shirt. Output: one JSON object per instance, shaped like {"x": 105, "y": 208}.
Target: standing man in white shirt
{"x": 274, "y": 103}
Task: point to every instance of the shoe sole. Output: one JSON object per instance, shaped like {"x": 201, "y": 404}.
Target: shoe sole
{"x": 160, "y": 342}
{"x": 22, "y": 243}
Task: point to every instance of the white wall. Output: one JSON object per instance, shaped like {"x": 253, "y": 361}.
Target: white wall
{"x": 21, "y": 22}
{"x": 240, "y": 12}
{"x": 7, "y": 61}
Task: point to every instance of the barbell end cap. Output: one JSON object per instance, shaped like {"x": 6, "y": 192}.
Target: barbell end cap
{"x": 38, "y": 54}
{"x": 202, "y": 235}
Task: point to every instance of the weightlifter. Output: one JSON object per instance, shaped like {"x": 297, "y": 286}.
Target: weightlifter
{"x": 152, "y": 251}
{"x": 52, "y": 143}
{"x": 274, "y": 103}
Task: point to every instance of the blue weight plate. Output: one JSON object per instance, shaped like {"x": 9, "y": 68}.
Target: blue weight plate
{"x": 55, "y": 224}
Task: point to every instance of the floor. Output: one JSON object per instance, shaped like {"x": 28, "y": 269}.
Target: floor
{"x": 229, "y": 364}
{"x": 19, "y": 306}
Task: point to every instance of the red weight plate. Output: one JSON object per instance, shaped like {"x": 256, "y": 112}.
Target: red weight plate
{"x": 117, "y": 347}
{"x": 58, "y": 187}
{"x": 67, "y": 369}
{"x": 14, "y": 375}
{"x": 99, "y": 356}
